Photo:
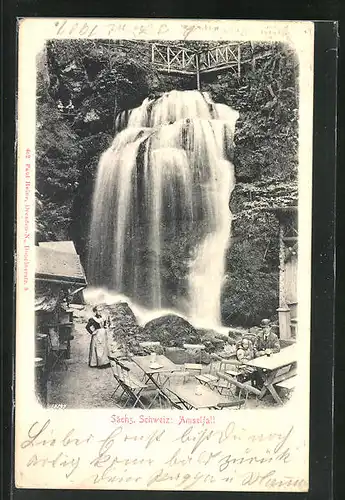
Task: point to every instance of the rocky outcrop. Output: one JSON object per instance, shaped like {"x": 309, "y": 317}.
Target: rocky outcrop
{"x": 171, "y": 331}
{"x": 122, "y": 318}
{"x": 124, "y": 332}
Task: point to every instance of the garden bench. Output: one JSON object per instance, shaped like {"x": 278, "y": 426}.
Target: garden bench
{"x": 288, "y": 384}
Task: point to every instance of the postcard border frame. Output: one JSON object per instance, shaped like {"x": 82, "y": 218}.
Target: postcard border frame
{"x": 321, "y": 451}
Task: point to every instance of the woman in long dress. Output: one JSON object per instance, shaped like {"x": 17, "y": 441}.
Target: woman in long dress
{"x": 98, "y": 354}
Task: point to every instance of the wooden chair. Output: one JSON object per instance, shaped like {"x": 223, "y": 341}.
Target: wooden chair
{"x": 57, "y": 350}
{"x": 210, "y": 379}
{"x": 178, "y": 377}
{"x": 207, "y": 379}
{"x": 196, "y": 349}
{"x": 229, "y": 366}
{"x": 131, "y": 386}
{"x": 170, "y": 400}
{"x": 242, "y": 386}
{"x": 238, "y": 370}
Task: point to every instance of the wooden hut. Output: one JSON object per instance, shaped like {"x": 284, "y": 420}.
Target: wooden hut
{"x": 59, "y": 276}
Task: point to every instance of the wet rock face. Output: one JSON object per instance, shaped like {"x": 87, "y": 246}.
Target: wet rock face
{"x": 247, "y": 166}
{"x": 171, "y": 331}
{"x": 121, "y": 315}
{"x": 125, "y": 333}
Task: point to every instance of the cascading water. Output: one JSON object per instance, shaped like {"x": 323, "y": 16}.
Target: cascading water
{"x": 161, "y": 221}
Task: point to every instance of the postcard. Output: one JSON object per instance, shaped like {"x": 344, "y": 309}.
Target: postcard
{"x": 164, "y": 196}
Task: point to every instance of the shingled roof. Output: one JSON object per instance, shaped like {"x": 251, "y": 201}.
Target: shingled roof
{"x": 59, "y": 246}
{"x": 62, "y": 266}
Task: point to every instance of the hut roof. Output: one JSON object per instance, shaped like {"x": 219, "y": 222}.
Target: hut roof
{"x": 59, "y": 246}
{"x": 59, "y": 262}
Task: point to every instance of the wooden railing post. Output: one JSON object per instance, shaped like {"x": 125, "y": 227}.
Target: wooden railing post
{"x": 239, "y": 60}
{"x": 168, "y": 58}
{"x": 283, "y": 310}
{"x": 197, "y": 71}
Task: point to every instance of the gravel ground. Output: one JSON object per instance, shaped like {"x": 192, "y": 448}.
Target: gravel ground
{"x": 81, "y": 386}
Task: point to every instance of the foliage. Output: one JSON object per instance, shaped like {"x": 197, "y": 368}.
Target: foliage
{"x": 255, "y": 197}
{"x": 80, "y": 85}
{"x": 248, "y": 297}
{"x": 266, "y": 95}
{"x": 251, "y": 286}
{"x": 99, "y": 75}
{"x": 56, "y": 172}
{"x": 52, "y": 219}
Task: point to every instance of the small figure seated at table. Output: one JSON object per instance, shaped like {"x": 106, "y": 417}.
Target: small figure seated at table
{"x": 266, "y": 342}
{"x": 245, "y": 350}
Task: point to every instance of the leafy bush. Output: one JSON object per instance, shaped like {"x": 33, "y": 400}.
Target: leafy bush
{"x": 248, "y": 297}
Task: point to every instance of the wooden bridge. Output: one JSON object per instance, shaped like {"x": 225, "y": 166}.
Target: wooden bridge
{"x": 176, "y": 59}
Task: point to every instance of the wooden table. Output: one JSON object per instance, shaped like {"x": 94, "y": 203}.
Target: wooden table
{"x": 275, "y": 368}
{"x": 197, "y": 396}
{"x": 158, "y": 376}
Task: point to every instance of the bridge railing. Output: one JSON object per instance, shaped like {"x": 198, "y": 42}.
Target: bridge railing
{"x": 172, "y": 58}
{"x": 222, "y": 56}
{"x": 181, "y": 60}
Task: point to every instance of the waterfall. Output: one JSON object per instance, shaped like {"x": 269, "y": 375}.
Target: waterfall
{"x": 161, "y": 222}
